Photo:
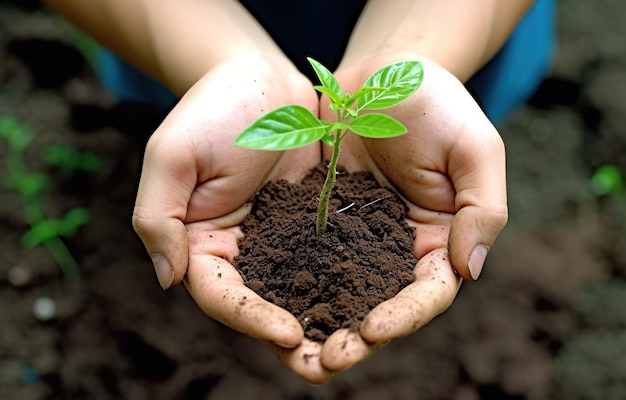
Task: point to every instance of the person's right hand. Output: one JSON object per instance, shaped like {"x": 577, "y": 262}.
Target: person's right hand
{"x": 195, "y": 187}
{"x": 450, "y": 170}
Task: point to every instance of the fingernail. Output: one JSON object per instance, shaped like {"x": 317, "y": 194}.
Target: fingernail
{"x": 477, "y": 260}
{"x": 163, "y": 269}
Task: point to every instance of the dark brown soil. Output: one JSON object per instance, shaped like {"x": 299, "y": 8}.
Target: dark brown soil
{"x": 333, "y": 281}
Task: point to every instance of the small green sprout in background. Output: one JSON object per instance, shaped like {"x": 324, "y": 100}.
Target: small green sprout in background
{"x": 608, "y": 184}
{"x": 294, "y": 126}
{"x": 607, "y": 179}
{"x": 70, "y": 160}
{"x": 31, "y": 185}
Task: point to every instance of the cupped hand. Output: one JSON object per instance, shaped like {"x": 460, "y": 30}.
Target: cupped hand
{"x": 194, "y": 189}
{"x": 450, "y": 169}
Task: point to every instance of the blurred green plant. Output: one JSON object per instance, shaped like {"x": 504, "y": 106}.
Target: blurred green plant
{"x": 30, "y": 186}
{"x": 607, "y": 179}
{"x": 70, "y": 160}
{"x": 608, "y": 185}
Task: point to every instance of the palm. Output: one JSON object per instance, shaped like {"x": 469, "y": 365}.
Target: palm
{"x": 449, "y": 165}
{"x": 203, "y": 183}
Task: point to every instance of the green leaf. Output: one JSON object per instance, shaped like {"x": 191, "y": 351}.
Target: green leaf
{"x": 285, "y": 128}
{"x": 397, "y": 82}
{"x": 17, "y": 136}
{"x": 71, "y": 159}
{"x": 28, "y": 185}
{"x": 48, "y": 229}
{"x": 62, "y": 156}
{"x": 377, "y": 126}
{"x": 328, "y": 139}
{"x": 72, "y": 220}
{"x": 40, "y": 233}
{"x": 607, "y": 179}
{"x": 90, "y": 162}
{"x": 328, "y": 80}
{"x": 334, "y": 100}
{"x": 360, "y": 92}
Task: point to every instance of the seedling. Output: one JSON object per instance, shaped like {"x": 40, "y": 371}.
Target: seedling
{"x": 30, "y": 186}
{"x": 294, "y": 126}
{"x": 607, "y": 179}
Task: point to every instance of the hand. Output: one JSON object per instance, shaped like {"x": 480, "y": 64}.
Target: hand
{"x": 194, "y": 188}
{"x": 450, "y": 168}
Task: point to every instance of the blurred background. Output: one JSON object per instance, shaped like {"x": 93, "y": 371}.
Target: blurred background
{"x": 83, "y": 317}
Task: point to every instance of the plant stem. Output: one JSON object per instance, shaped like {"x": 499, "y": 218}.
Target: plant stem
{"x": 331, "y": 177}
{"x": 33, "y": 213}
{"x": 64, "y": 258}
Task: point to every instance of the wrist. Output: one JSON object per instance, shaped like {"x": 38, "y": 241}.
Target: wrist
{"x": 425, "y": 51}
{"x": 458, "y": 35}
{"x": 275, "y": 71}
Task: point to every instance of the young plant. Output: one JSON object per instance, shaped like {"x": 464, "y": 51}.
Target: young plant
{"x": 30, "y": 187}
{"x": 294, "y": 126}
{"x": 608, "y": 179}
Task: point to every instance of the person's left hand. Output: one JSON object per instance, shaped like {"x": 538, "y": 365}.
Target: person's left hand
{"x": 450, "y": 169}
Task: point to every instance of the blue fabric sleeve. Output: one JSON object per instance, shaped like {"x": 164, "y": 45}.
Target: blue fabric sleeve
{"x": 128, "y": 84}
{"x": 512, "y": 76}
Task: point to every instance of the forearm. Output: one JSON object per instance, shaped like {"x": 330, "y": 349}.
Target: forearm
{"x": 460, "y": 35}
{"x": 174, "y": 41}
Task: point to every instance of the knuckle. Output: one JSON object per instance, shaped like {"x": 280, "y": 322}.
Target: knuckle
{"x": 141, "y": 224}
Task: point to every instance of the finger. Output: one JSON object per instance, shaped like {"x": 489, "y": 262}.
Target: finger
{"x": 432, "y": 229}
{"x": 432, "y": 292}
{"x": 166, "y": 183}
{"x": 304, "y": 360}
{"x": 345, "y": 348}
{"x": 219, "y": 291}
{"x": 477, "y": 168}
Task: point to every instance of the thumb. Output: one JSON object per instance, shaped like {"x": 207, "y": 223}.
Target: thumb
{"x": 479, "y": 175}
{"x": 165, "y": 239}
{"x": 165, "y": 187}
{"x": 473, "y": 231}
